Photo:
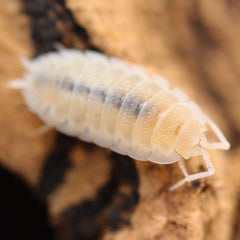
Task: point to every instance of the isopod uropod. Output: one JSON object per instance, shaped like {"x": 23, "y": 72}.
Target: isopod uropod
{"x": 105, "y": 101}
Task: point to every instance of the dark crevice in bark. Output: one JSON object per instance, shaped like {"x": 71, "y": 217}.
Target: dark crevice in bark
{"x": 22, "y": 214}
{"x": 52, "y": 23}
{"x": 56, "y": 165}
{"x": 110, "y": 210}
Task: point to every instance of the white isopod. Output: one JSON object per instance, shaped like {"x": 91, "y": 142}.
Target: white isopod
{"x": 105, "y": 101}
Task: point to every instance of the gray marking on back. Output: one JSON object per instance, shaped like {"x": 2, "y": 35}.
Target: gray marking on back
{"x": 132, "y": 105}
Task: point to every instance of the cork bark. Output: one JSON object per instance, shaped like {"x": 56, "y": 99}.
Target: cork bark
{"x": 90, "y": 192}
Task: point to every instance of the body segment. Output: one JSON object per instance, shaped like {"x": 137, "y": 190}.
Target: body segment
{"x": 105, "y": 101}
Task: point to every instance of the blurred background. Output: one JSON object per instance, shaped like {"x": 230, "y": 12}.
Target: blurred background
{"x": 56, "y": 187}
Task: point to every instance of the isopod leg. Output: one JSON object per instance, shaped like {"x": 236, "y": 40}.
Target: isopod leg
{"x": 188, "y": 178}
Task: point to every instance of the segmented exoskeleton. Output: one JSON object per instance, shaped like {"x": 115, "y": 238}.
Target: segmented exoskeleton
{"x": 118, "y": 106}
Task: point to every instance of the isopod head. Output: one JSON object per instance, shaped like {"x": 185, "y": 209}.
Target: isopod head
{"x": 193, "y": 134}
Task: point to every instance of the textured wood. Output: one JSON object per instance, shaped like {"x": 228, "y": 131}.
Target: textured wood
{"x": 92, "y": 193}
{"x": 17, "y": 124}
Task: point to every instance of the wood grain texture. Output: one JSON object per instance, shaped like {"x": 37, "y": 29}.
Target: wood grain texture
{"x": 92, "y": 193}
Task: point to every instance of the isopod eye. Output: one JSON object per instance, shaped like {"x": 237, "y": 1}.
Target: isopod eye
{"x": 188, "y": 137}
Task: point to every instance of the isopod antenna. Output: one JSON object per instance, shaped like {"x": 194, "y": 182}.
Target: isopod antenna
{"x": 222, "y": 144}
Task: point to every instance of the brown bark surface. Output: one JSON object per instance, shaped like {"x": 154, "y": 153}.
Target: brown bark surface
{"x": 92, "y": 193}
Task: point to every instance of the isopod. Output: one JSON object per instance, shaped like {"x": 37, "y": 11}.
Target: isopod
{"x": 118, "y": 106}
